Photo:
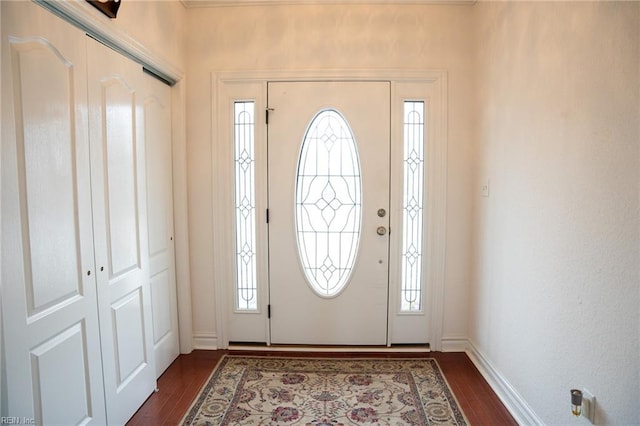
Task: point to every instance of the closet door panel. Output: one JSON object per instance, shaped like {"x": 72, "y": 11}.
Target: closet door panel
{"x": 157, "y": 124}
{"x": 119, "y": 204}
{"x": 128, "y": 336}
{"x": 117, "y": 103}
{"x": 51, "y": 336}
{"x": 46, "y": 177}
{"x": 156, "y": 104}
{"x": 61, "y": 395}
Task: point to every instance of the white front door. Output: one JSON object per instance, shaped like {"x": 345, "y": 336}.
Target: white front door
{"x": 328, "y": 161}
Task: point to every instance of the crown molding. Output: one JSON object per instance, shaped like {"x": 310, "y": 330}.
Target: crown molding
{"x": 191, "y": 4}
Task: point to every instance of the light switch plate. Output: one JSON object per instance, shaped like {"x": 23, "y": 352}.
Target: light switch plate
{"x": 485, "y": 188}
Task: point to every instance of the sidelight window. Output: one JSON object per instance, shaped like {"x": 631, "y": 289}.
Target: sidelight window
{"x": 413, "y": 205}
{"x": 245, "y": 206}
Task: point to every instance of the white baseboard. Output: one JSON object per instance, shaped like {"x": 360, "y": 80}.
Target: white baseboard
{"x": 512, "y": 400}
{"x": 454, "y": 344}
{"x": 205, "y": 341}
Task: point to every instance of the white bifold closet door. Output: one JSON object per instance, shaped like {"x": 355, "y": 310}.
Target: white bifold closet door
{"x": 50, "y": 320}
{"x": 76, "y": 239}
{"x": 156, "y": 107}
{"x": 116, "y": 133}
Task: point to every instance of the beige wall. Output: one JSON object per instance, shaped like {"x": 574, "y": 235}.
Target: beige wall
{"x": 158, "y": 25}
{"x": 556, "y": 281}
{"x": 544, "y": 102}
{"x": 312, "y": 37}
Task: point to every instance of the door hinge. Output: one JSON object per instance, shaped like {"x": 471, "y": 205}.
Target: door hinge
{"x": 269, "y": 311}
{"x": 267, "y": 215}
{"x": 267, "y": 115}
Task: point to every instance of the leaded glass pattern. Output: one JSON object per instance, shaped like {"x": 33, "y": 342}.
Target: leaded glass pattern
{"x": 328, "y": 203}
{"x": 245, "y": 206}
{"x": 413, "y": 204}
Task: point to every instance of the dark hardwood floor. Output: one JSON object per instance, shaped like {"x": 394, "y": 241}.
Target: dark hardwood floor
{"x": 182, "y": 381}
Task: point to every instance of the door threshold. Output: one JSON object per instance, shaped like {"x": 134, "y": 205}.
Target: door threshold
{"x": 328, "y": 348}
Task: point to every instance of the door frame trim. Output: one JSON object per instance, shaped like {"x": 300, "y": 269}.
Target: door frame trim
{"x": 436, "y": 186}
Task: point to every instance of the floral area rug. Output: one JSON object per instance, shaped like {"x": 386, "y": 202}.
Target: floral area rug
{"x": 318, "y": 392}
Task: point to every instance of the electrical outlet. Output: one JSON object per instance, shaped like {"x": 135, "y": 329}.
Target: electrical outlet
{"x": 588, "y": 406}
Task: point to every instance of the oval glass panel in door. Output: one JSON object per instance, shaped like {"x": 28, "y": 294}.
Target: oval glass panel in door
{"x": 328, "y": 203}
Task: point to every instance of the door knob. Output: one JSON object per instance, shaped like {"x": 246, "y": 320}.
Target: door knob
{"x": 382, "y": 212}
{"x": 381, "y": 230}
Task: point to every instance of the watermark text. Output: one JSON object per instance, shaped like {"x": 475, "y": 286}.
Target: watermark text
{"x": 15, "y": 420}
